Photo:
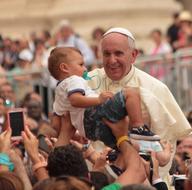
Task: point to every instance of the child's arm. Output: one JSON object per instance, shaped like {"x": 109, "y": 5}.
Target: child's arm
{"x": 165, "y": 155}
{"x": 79, "y": 100}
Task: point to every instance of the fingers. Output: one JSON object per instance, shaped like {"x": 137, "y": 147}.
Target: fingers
{"x": 7, "y": 132}
{"x": 24, "y": 136}
{"x": 27, "y": 132}
{"x": 108, "y": 123}
{"x": 76, "y": 144}
{"x": 49, "y": 142}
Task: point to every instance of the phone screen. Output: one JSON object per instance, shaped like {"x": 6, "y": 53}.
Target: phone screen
{"x": 16, "y": 122}
{"x": 43, "y": 145}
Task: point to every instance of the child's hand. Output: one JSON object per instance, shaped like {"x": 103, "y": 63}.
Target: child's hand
{"x": 104, "y": 96}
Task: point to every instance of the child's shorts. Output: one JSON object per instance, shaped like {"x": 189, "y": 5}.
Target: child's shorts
{"x": 113, "y": 110}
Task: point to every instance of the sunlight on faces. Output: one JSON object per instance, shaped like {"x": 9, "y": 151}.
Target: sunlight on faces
{"x": 117, "y": 55}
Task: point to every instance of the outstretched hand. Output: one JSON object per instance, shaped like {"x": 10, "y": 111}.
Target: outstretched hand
{"x": 5, "y": 141}
{"x": 31, "y": 144}
{"x": 119, "y": 128}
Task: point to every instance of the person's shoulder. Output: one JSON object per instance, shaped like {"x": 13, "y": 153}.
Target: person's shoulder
{"x": 146, "y": 79}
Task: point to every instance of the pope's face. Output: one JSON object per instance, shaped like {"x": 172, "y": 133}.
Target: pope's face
{"x": 117, "y": 55}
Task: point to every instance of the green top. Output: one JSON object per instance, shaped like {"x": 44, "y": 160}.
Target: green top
{"x": 112, "y": 186}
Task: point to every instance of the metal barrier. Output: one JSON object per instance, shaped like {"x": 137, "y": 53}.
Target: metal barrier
{"x": 175, "y": 70}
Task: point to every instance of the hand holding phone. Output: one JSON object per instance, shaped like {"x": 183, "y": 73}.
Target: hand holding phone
{"x": 16, "y": 122}
{"x": 43, "y": 144}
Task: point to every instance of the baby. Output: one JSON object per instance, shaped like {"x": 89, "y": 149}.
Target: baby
{"x": 86, "y": 107}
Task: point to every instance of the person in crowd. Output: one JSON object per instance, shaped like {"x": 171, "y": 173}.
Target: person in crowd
{"x": 30, "y": 96}
{"x": 10, "y": 54}
{"x": 96, "y": 45}
{"x": 67, "y": 160}
{"x": 8, "y": 93}
{"x": 173, "y": 30}
{"x": 3, "y": 78}
{"x": 160, "y": 46}
{"x": 10, "y": 161}
{"x": 22, "y": 83}
{"x": 137, "y": 187}
{"x": 64, "y": 183}
{"x": 2, "y": 113}
{"x": 10, "y": 181}
{"x": 35, "y": 110}
{"x": 185, "y": 31}
{"x": 67, "y": 37}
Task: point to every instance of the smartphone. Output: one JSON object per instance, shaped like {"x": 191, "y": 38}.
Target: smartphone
{"x": 42, "y": 144}
{"x": 15, "y": 119}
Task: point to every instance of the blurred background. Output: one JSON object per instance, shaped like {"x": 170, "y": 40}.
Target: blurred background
{"x": 31, "y": 28}
{"x": 22, "y": 17}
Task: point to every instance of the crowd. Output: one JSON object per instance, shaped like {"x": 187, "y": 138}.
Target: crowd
{"x": 52, "y": 154}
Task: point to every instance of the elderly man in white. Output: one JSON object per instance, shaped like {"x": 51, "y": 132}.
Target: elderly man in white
{"x": 119, "y": 54}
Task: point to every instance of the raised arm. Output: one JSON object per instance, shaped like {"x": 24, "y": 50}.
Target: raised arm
{"x": 81, "y": 101}
{"x": 135, "y": 171}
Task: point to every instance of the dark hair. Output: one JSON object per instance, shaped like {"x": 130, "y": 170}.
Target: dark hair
{"x": 137, "y": 187}
{"x": 67, "y": 160}
{"x": 10, "y": 181}
{"x": 57, "y": 56}
{"x": 43, "y": 184}
{"x": 98, "y": 179}
{"x": 68, "y": 183}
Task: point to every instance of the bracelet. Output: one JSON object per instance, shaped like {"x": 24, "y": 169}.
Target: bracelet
{"x": 122, "y": 139}
{"x": 5, "y": 160}
{"x": 39, "y": 165}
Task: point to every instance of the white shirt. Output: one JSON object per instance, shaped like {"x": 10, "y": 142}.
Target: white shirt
{"x": 62, "y": 104}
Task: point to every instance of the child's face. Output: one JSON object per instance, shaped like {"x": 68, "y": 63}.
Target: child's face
{"x": 76, "y": 65}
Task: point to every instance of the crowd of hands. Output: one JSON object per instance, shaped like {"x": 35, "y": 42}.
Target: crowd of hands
{"x": 97, "y": 159}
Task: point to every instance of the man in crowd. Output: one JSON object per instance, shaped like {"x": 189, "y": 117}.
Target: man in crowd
{"x": 67, "y": 37}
